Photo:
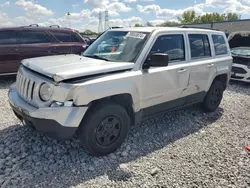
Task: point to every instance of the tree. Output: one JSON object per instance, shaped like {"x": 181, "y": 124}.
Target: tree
{"x": 138, "y": 25}
{"x": 232, "y": 16}
{"x": 187, "y": 17}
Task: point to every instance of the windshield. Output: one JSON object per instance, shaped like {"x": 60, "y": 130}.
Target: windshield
{"x": 243, "y": 51}
{"x": 118, "y": 46}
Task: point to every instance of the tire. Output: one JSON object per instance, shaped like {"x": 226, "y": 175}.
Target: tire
{"x": 104, "y": 129}
{"x": 213, "y": 97}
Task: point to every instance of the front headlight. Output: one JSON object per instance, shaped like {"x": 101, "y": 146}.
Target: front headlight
{"x": 45, "y": 92}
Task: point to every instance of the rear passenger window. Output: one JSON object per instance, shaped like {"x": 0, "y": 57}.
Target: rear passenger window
{"x": 34, "y": 37}
{"x": 76, "y": 38}
{"x": 66, "y": 36}
{"x": 62, "y": 36}
{"x": 173, "y": 45}
{"x": 8, "y": 37}
{"x": 220, "y": 46}
{"x": 199, "y": 45}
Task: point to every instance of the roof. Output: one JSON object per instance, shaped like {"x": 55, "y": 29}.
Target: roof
{"x": 151, "y": 29}
{"x": 40, "y": 28}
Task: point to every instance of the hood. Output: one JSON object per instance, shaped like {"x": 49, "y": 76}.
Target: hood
{"x": 239, "y": 39}
{"x": 63, "y": 67}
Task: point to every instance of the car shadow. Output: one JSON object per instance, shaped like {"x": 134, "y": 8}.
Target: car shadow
{"x": 45, "y": 162}
{"x": 239, "y": 87}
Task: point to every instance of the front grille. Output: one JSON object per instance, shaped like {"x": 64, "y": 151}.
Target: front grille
{"x": 238, "y": 70}
{"x": 25, "y": 86}
{"x": 241, "y": 61}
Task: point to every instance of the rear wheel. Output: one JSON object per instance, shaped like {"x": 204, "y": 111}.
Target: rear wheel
{"x": 214, "y": 96}
{"x": 104, "y": 129}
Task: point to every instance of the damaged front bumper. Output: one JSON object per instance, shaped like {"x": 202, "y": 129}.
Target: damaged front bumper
{"x": 56, "y": 122}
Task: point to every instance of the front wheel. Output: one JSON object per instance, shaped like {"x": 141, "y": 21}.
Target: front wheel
{"x": 104, "y": 129}
{"x": 214, "y": 96}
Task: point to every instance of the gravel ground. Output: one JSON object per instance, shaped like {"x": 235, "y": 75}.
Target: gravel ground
{"x": 184, "y": 148}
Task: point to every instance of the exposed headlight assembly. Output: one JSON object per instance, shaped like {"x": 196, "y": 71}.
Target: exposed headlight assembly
{"x": 45, "y": 92}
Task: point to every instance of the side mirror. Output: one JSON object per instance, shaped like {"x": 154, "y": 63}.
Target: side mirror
{"x": 157, "y": 60}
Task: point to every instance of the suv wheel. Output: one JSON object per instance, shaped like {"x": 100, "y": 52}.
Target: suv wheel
{"x": 104, "y": 129}
{"x": 214, "y": 96}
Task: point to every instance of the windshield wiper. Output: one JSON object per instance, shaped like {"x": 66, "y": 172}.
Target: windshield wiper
{"x": 96, "y": 57}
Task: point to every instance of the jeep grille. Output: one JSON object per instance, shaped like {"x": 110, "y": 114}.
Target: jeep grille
{"x": 25, "y": 86}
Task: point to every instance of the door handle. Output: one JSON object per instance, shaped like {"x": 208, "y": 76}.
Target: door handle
{"x": 210, "y": 65}
{"x": 181, "y": 70}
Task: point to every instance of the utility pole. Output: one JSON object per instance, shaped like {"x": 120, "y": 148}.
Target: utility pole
{"x": 100, "y": 25}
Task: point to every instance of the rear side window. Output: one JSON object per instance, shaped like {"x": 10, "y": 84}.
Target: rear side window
{"x": 220, "y": 46}
{"x": 66, "y": 36}
{"x": 199, "y": 45}
{"x": 8, "y": 37}
{"x": 34, "y": 37}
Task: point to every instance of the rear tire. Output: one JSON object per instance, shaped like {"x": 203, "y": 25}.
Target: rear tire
{"x": 214, "y": 96}
{"x": 104, "y": 129}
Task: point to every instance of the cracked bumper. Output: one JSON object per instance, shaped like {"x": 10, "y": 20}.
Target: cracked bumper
{"x": 56, "y": 122}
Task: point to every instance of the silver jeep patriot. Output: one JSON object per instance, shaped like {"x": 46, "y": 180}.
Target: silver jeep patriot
{"x": 125, "y": 75}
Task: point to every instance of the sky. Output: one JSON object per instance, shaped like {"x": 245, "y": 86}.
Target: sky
{"x": 84, "y": 13}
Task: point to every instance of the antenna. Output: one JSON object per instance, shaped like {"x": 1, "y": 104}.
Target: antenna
{"x": 106, "y": 23}
{"x": 100, "y": 26}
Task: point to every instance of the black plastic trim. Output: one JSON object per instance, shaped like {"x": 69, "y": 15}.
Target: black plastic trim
{"x": 49, "y": 127}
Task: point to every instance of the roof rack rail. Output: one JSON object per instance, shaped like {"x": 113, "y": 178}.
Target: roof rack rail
{"x": 31, "y": 25}
{"x": 55, "y": 26}
{"x": 185, "y": 26}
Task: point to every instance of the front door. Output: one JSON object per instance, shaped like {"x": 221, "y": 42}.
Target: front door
{"x": 9, "y": 52}
{"x": 163, "y": 86}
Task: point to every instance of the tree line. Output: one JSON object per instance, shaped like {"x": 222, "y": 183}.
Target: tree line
{"x": 190, "y": 17}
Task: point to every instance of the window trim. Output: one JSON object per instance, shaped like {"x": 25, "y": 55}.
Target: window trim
{"x": 210, "y": 47}
{"x": 20, "y": 37}
{"x": 17, "y": 41}
{"x": 214, "y": 45}
{"x": 173, "y": 62}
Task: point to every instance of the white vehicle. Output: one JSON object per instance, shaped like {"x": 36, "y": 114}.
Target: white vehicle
{"x": 102, "y": 94}
{"x": 240, "y": 49}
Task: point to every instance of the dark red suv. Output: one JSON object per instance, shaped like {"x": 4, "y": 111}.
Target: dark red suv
{"x": 25, "y": 42}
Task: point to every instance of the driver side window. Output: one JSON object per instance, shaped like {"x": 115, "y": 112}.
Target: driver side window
{"x": 173, "y": 45}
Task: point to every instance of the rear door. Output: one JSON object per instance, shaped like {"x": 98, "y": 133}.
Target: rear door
{"x": 68, "y": 42}
{"x": 202, "y": 62}
{"x": 9, "y": 51}
{"x": 34, "y": 43}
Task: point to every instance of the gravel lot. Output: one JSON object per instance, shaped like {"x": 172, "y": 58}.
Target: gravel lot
{"x": 184, "y": 148}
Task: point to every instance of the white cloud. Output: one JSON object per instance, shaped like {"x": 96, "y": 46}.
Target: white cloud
{"x": 33, "y": 10}
{"x": 129, "y": 1}
{"x": 156, "y": 22}
{"x": 125, "y": 22}
{"x": 6, "y": 4}
{"x": 113, "y": 9}
{"x": 97, "y": 3}
{"x": 236, "y": 6}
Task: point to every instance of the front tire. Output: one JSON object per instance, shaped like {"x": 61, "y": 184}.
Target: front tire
{"x": 104, "y": 129}
{"x": 214, "y": 96}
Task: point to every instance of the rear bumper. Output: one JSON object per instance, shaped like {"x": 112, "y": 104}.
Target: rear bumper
{"x": 240, "y": 73}
{"x": 57, "y": 122}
